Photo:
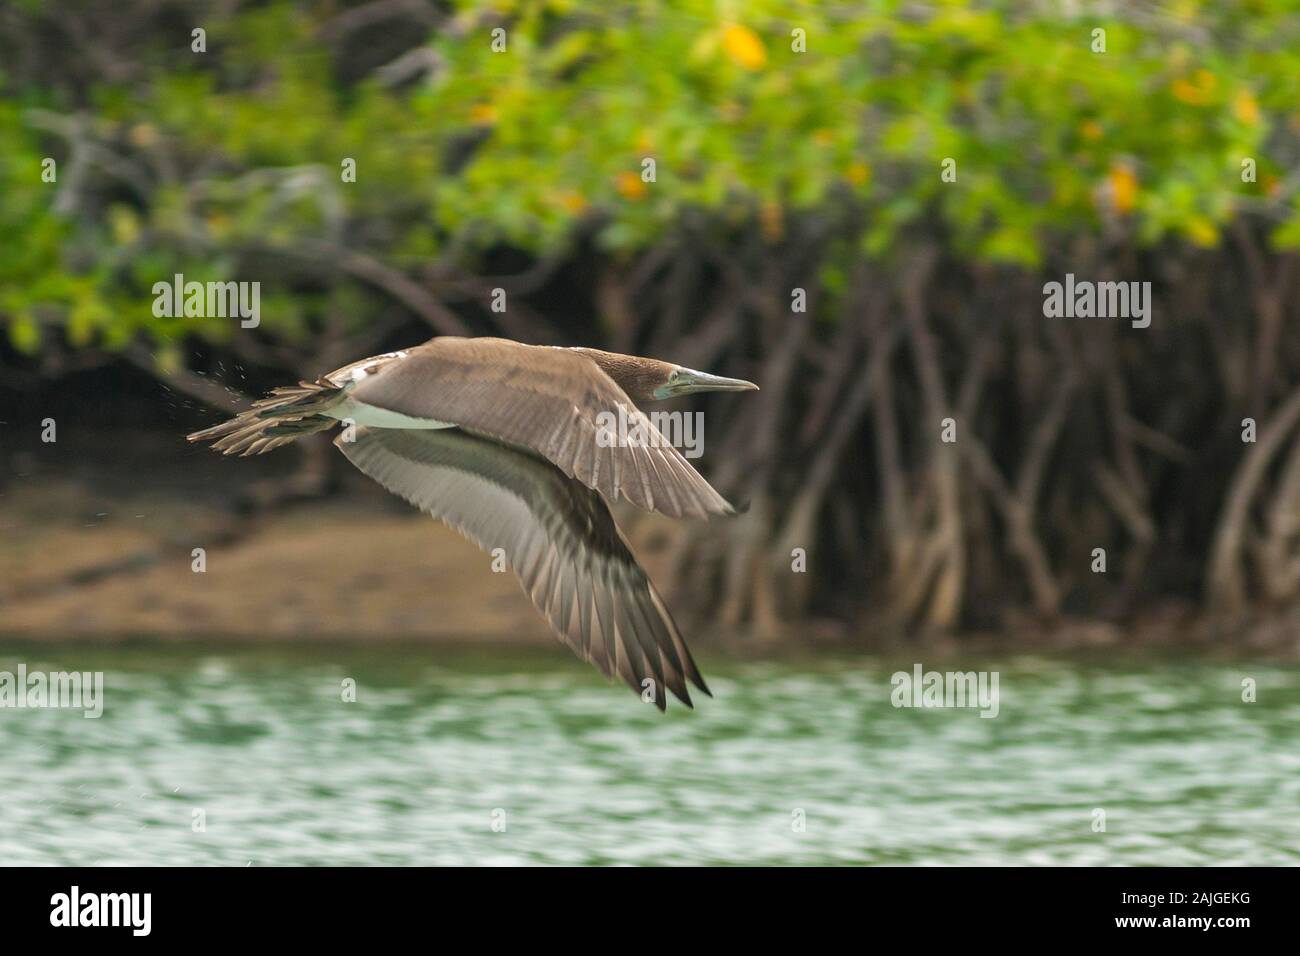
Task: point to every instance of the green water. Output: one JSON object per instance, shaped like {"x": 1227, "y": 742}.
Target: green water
{"x": 441, "y": 744}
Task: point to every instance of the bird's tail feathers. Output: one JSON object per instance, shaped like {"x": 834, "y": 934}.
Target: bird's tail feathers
{"x": 305, "y": 398}
{"x": 283, "y": 416}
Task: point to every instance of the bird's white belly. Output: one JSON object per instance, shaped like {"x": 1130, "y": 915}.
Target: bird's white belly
{"x": 362, "y": 414}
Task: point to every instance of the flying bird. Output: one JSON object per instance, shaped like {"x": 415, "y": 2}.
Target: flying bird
{"x": 511, "y": 446}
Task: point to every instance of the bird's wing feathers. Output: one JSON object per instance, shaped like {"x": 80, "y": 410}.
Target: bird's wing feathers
{"x": 557, "y": 535}
{"x": 551, "y": 401}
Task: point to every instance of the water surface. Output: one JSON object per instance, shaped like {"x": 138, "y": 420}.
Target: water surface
{"x": 498, "y": 756}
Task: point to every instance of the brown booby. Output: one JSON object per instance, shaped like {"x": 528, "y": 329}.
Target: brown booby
{"x": 510, "y": 445}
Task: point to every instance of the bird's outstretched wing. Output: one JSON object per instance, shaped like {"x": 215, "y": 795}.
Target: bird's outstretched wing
{"x": 557, "y": 535}
{"x": 551, "y": 401}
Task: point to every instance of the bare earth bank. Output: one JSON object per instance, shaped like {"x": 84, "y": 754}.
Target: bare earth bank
{"x": 107, "y": 552}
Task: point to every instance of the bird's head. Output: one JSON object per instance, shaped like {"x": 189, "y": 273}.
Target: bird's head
{"x": 680, "y": 381}
{"x": 651, "y": 380}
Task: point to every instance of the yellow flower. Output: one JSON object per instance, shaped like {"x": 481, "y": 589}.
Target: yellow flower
{"x": 1123, "y": 184}
{"x": 631, "y": 186}
{"x": 572, "y": 202}
{"x": 744, "y": 47}
{"x": 1201, "y": 231}
{"x": 858, "y": 173}
{"x": 1090, "y": 130}
{"x": 483, "y": 114}
{"x": 1245, "y": 107}
{"x": 1197, "y": 91}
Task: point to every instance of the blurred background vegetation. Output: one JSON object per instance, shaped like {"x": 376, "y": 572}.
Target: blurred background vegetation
{"x": 795, "y": 146}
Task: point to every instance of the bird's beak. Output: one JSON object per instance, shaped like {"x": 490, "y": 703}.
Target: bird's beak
{"x": 689, "y": 382}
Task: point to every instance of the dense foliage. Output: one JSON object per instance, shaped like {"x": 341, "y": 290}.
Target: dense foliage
{"x": 920, "y": 169}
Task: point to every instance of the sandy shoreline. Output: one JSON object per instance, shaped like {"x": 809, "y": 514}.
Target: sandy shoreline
{"x": 320, "y": 572}
{"x": 112, "y": 560}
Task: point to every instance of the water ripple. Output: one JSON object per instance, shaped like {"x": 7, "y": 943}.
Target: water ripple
{"x": 491, "y": 760}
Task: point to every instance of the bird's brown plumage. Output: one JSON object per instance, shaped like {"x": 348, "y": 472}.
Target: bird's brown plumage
{"x": 556, "y": 535}
{"x": 525, "y": 468}
{"x": 549, "y": 400}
